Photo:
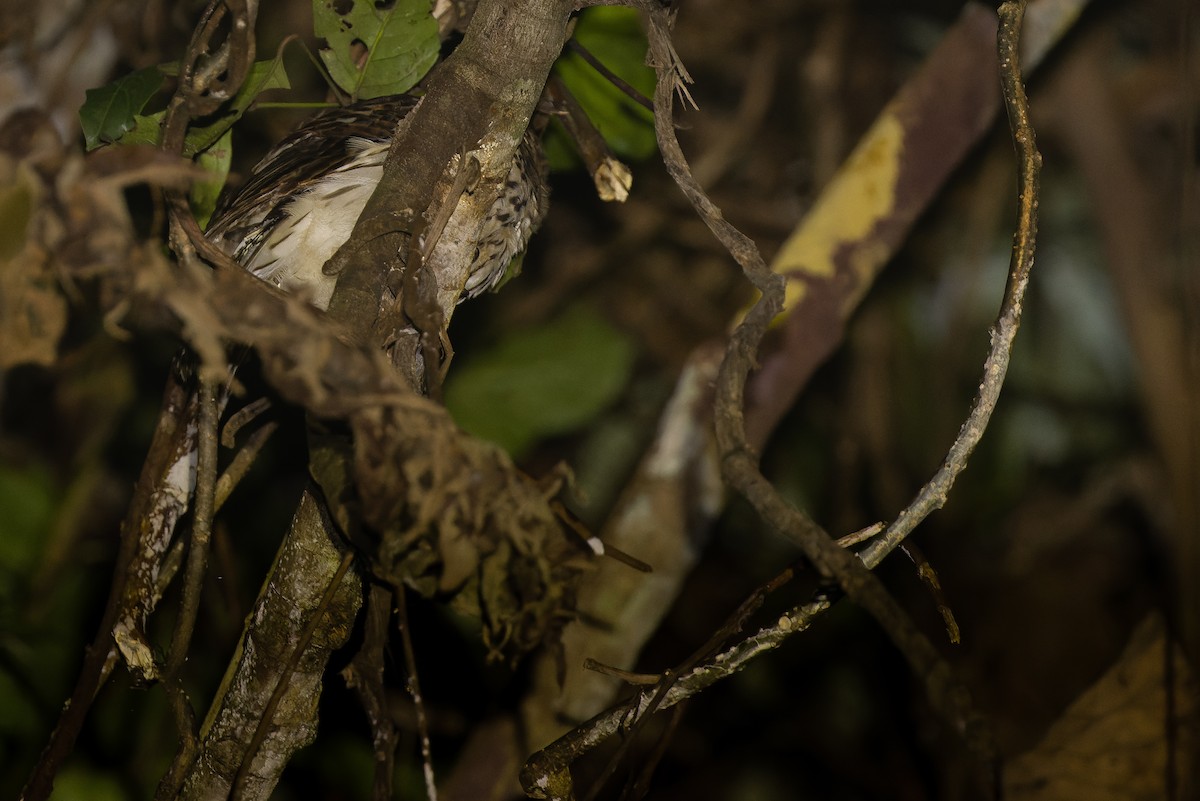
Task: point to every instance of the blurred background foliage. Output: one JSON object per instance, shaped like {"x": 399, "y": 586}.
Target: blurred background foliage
{"x": 1059, "y": 539}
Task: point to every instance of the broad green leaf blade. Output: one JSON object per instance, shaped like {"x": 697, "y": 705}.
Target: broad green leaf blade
{"x": 79, "y": 782}
{"x": 146, "y": 130}
{"x": 215, "y": 160}
{"x": 542, "y": 382}
{"x": 614, "y": 36}
{"x": 29, "y": 499}
{"x": 109, "y": 111}
{"x": 376, "y": 48}
{"x": 263, "y": 75}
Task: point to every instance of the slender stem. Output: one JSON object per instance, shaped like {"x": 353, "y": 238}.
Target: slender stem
{"x": 193, "y": 584}
{"x": 616, "y": 80}
{"x": 197, "y": 562}
{"x": 934, "y": 494}
{"x": 414, "y": 689}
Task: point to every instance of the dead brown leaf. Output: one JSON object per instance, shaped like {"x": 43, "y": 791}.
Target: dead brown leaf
{"x": 1111, "y": 744}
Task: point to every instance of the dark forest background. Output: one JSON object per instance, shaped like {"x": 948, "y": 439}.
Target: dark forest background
{"x": 1068, "y": 551}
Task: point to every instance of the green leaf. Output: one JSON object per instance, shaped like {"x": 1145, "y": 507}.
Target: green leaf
{"x": 542, "y": 382}
{"x": 146, "y": 129}
{"x": 28, "y": 497}
{"x": 376, "y": 48}
{"x": 215, "y": 161}
{"x": 139, "y": 128}
{"x": 108, "y": 112}
{"x": 614, "y": 36}
{"x": 18, "y": 712}
{"x": 263, "y": 75}
{"x": 210, "y": 145}
{"x": 79, "y": 782}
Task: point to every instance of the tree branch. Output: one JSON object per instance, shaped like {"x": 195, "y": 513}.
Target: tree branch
{"x": 478, "y": 102}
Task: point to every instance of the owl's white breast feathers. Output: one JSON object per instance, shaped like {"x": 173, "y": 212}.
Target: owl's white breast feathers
{"x": 317, "y": 223}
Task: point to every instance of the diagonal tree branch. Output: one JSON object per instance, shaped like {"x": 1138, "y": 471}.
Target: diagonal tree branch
{"x": 478, "y": 105}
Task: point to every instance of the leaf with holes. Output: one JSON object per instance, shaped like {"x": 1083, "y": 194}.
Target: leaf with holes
{"x": 376, "y": 47}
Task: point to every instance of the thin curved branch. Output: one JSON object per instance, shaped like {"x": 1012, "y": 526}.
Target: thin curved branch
{"x": 740, "y": 464}
{"x": 933, "y": 495}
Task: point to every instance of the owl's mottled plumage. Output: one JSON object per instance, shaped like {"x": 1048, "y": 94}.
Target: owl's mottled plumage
{"x": 302, "y": 200}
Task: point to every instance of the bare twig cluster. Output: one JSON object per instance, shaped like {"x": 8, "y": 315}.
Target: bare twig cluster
{"x": 547, "y": 774}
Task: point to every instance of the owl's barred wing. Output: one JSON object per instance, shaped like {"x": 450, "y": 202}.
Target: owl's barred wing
{"x": 244, "y": 217}
{"x": 303, "y": 199}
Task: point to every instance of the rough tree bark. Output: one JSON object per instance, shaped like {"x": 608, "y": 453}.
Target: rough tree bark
{"x": 478, "y": 105}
